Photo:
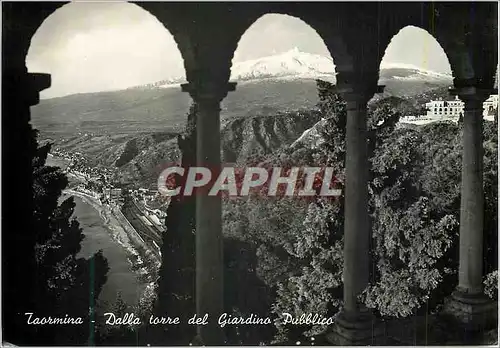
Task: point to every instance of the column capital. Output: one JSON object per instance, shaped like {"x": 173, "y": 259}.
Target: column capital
{"x": 477, "y": 82}
{"x": 27, "y": 85}
{"x": 472, "y": 93}
{"x": 473, "y": 97}
{"x": 357, "y": 94}
{"x": 208, "y": 91}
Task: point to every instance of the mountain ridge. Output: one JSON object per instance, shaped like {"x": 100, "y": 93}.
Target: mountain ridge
{"x": 302, "y": 65}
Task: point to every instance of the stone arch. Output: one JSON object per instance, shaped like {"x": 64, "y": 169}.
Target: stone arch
{"x": 436, "y": 21}
{"x": 471, "y": 47}
{"x": 272, "y": 49}
{"x": 323, "y": 28}
{"x": 172, "y": 16}
{"x": 469, "y": 69}
{"x": 136, "y": 12}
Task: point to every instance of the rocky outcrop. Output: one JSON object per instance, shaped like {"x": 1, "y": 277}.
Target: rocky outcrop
{"x": 242, "y": 140}
{"x": 248, "y": 138}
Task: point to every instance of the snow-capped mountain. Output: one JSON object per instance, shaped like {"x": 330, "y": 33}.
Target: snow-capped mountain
{"x": 292, "y": 64}
{"x": 295, "y": 64}
{"x": 408, "y": 72}
{"x": 170, "y": 82}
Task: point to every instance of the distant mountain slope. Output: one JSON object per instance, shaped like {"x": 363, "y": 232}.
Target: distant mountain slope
{"x": 140, "y": 158}
{"x": 118, "y": 111}
{"x": 153, "y": 110}
{"x": 408, "y": 71}
{"x": 408, "y": 81}
{"x": 164, "y": 109}
{"x": 289, "y": 64}
{"x": 295, "y": 64}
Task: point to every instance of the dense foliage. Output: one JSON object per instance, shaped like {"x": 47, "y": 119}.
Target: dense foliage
{"x": 176, "y": 284}
{"x": 285, "y": 255}
{"x": 414, "y": 204}
{"x": 67, "y": 285}
{"x": 129, "y": 152}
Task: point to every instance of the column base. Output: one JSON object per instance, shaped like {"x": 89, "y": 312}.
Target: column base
{"x": 196, "y": 341}
{"x": 362, "y": 329}
{"x": 473, "y": 312}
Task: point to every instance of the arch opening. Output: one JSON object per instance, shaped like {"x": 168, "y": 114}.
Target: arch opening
{"x": 415, "y": 67}
{"x": 413, "y": 55}
{"x": 114, "y": 101}
{"x": 95, "y": 47}
{"x": 109, "y": 63}
{"x": 276, "y": 64}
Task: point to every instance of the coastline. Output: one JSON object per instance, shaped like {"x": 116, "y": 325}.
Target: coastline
{"x": 121, "y": 234}
{"x": 142, "y": 264}
{"x": 114, "y": 226}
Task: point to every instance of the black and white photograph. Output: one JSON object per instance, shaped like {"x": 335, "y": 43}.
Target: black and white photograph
{"x": 233, "y": 173}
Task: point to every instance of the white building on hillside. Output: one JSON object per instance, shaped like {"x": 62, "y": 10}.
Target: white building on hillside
{"x": 490, "y": 106}
{"x": 444, "y": 109}
{"x": 451, "y": 110}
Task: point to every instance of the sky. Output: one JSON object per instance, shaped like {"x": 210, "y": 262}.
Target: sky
{"x": 98, "y": 46}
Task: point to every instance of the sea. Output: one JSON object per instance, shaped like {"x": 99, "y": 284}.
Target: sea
{"x": 101, "y": 235}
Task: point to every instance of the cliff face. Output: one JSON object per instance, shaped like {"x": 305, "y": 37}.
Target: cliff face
{"x": 145, "y": 168}
{"x": 242, "y": 140}
{"x": 248, "y": 138}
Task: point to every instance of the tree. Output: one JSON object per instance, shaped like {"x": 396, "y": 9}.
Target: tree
{"x": 176, "y": 283}
{"x": 491, "y": 285}
{"x": 490, "y": 184}
{"x": 414, "y": 187}
{"x": 117, "y": 335}
{"x": 63, "y": 279}
{"x": 417, "y": 206}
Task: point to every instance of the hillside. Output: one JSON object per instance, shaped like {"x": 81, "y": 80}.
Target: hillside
{"x": 311, "y": 137}
{"x": 141, "y": 158}
{"x": 164, "y": 109}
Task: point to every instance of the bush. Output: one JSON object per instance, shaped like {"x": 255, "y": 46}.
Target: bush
{"x": 491, "y": 285}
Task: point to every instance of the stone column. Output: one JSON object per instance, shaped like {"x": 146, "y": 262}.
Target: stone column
{"x": 354, "y": 324}
{"x": 472, "y": 201}
{"x": 176, "y": 287}
{"x": 20, "y": 91}
{"x": 468, "y": 303}
{"x": 356, "y": 233}
{"x": 209, "y": 243}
